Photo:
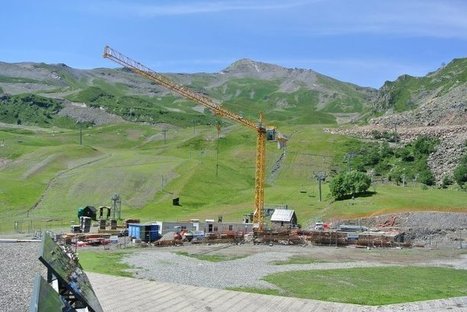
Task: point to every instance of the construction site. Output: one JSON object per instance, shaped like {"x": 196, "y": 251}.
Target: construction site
{"x": 263, "y": 226}
{"x": 244, "y": 156}
{"x": 162, "y": 251}
{"x": 281, "y": 228}
{"x": 163, "y": 265}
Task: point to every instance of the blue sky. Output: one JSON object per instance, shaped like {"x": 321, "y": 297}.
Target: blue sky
{"x": 363, "y": 42}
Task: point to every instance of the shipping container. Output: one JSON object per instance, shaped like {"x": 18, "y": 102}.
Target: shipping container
{"x": 144, "y": 232}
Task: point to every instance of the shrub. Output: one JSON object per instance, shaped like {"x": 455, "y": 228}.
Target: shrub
{"x": 349, "y": 183}
{"x": 447, "y": 180}
{"x": 425, "y": 145}
{"x": 460, "y": 174}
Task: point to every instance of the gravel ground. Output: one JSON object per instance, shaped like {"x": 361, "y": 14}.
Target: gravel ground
{"x": 19, "y": 264}
{"x": 167, "y": 266}
{"x": 245, "y": 272}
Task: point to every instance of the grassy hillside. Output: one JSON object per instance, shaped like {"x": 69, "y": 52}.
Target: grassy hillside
{"x": 31, "y": 109}
{"x": 290, "y": 95}
{"x": 47, "y": 175}
{"x": 408, "y": 92}
{"x": 244, "y": 96}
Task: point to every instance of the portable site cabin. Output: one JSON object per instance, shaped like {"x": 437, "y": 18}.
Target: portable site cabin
{"x": 283, "y": 219}
{"x": 206, "y": 226}
{"x": 144, "y": 232}
{"x": 210, "y": 226}
{"x": 175, "y": 226}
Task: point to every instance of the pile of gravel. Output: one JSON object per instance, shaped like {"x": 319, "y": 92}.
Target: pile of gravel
{"x": 422, "y": 219}
{"x": 168, "y": 236}
{"x": 442, "y": 229}
{"x": 19, "y": 264}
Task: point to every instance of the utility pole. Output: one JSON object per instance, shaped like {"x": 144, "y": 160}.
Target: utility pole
{"x": 116, "y": 206}
{"x": 218, "y": 127}
{"x": 164, "y": 132}
{"x": 80, "y": 124}
{"x": 320, "y": 176}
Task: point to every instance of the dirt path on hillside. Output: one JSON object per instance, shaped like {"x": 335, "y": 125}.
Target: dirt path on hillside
{"x": 53, "y": 180}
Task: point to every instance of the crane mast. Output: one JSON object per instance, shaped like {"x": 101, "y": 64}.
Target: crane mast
{"x": 138, "y": 68}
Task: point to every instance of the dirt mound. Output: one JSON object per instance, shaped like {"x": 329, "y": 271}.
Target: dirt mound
{"x": 441, "y": 229}
{"x": 429, "y": 219}
{"x": 169, "y": 236}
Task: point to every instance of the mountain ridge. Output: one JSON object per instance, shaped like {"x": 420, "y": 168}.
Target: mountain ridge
{"x": 245, "y": 86}
{"x": 440, "y": 97}
{"x": 249, "y": 86}
{"x": 434, "y": 105}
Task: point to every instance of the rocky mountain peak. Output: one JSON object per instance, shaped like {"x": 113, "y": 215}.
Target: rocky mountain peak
{"x": 248, "y": 66}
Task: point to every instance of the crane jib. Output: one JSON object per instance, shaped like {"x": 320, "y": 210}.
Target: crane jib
{"x": 140, "y": 69}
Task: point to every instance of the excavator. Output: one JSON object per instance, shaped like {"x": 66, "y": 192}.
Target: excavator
{"x": 259, "y": 127}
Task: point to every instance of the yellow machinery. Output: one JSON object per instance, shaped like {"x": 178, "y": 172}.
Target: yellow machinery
{"x": 258, "y": 216}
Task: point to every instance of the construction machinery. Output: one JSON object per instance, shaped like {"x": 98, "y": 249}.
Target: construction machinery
{"x": 216, "y": 108}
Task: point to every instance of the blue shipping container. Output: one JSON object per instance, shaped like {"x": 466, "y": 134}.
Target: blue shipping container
{"x": 134, "y": 230}
{"x": 144, "y": 232}
{"x": 154, "y": 232}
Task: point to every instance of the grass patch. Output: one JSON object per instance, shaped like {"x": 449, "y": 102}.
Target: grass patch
{"x": 372, "y": 286}
{"x": 298, "y": 260}
{"x": 211, "y": 258}
{"x": 105, "y": 262}
{"x": 411, "y": 198}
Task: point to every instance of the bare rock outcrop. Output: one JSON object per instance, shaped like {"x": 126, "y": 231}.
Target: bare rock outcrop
{"x": 442, "y": 162}
{"x": 82, "y": 113}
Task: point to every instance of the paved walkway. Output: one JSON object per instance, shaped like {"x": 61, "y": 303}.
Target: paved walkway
{"x": 129, "y": 294}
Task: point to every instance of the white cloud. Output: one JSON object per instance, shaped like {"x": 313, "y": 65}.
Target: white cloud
{"x": 445, "y": 19}
{"x": 190, "y": 7}
{"x": 432, "y": 18}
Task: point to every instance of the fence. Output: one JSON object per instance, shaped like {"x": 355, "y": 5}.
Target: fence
{"x": 33, "y": 226}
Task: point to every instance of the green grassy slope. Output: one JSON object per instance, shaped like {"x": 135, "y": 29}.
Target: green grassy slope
{"x": 31, "y": 109}
{"x": 48, "y": 175}
{"x": 408, "y": 92}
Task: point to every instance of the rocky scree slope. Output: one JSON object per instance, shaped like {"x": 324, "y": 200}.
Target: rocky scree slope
{"x": 434, "y": 105}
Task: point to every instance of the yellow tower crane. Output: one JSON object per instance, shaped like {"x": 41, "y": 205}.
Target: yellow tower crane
{"x": 258, "y": 215}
